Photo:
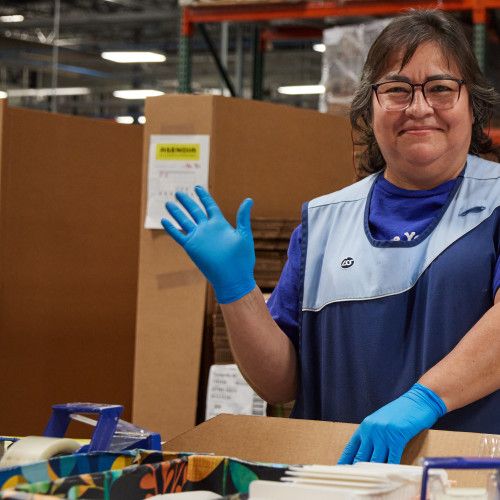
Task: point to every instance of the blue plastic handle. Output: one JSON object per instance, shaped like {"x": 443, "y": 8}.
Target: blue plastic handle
{"x": 454, "y": 463}
{"x": 105, "y": 428}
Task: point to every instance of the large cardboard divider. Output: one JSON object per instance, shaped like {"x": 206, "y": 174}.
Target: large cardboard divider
{"x": 277, "y": 155}
{"x": 69, "y": 229}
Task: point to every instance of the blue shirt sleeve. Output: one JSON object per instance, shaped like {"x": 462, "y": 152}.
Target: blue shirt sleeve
{"x": 284, "y": 301}
{"x": 496, "y": 278}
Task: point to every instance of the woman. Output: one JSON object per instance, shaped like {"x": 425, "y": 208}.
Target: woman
{"x": 387, "y": 311}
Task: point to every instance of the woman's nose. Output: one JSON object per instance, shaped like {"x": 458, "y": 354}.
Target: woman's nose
{"x": 419, "y": 105}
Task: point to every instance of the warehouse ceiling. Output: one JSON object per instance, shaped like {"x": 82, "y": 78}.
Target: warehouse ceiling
{"x": 34, "y": 55}
{"x": 89, "y": 27}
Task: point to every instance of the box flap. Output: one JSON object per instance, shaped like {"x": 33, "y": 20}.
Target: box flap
{"x": 295, "y": 441}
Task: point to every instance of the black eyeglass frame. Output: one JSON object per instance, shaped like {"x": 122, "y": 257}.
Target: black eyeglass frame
{"x": 375, "y": 87}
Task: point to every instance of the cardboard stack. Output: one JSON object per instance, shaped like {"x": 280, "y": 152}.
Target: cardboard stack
{"x": 222, "y": 350}
{"x": 271, "y": 238}
{"x": 72, "y": 207}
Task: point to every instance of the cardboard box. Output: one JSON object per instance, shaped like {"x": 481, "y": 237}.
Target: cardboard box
{"x": 278, "y": 155}
{"x": 69, "y": 229}
{"x": 295, "y": 441}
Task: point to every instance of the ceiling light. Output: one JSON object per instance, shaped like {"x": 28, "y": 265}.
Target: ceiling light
{"x": 142, "y": 120}
{"x": 17, "y": 18}
{"x": 127, "y": 120}
{"x": 45, "y": 92}
{"x": 319, "y": 47}
{"x": 217, "y": 91}
{"x": 3, "y": 95}
{"x": 134, "y": 57}
{"x": 137, "y": 93}
{"x": 302, "y": 89}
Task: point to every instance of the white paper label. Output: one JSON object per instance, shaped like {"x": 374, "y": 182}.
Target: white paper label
{"x": 228, "y": 392}
{"x": 176, "y": 163}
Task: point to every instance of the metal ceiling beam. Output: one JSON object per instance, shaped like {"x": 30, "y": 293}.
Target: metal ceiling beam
{"x": 148, "y": 16}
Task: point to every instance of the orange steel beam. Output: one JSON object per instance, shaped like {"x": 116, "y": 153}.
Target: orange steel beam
{"x": 479, "y": 12}
{"x": 291, "y": 33}
{"x": 186, "y": 23}
{"x": 268, "y": 12}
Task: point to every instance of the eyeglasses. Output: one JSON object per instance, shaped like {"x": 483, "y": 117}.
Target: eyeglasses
{"x": 441, "y": 93}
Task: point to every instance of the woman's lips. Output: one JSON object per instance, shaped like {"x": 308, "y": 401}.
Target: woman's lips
{"x": 419, "y": 130}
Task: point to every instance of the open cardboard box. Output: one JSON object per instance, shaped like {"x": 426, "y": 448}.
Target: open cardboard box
{"x": 294, "y": 441}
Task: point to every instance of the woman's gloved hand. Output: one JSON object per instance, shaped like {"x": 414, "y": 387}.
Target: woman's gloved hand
{"x": 383, "y": 435}
{"x": 225, "y": 255}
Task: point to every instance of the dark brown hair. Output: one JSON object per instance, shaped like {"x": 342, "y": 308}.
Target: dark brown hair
{"x": 406, "y": 33}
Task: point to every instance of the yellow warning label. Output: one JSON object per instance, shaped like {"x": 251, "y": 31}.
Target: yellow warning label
{"x": 178, "y": 152}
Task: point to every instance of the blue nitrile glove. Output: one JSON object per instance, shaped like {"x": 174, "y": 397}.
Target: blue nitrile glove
{"x": 383, "y": 435}
{"x": 223, "y": 254}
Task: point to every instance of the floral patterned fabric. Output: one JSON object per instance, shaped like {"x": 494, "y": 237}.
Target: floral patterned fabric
{"x": 71, "y": 465}
{"x": 156, "y": 473}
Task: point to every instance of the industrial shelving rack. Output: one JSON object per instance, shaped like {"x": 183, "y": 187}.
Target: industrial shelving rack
{"x": 197, "y": 15}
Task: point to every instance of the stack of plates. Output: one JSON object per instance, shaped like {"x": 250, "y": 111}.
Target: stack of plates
{"x": 359, "y": 481}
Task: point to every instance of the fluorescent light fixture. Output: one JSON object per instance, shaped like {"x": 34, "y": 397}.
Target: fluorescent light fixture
{"x": 302, "y": 89}
{"x": 16, "y": 18}
{"x": 127, "y": 120}
{"x": 45, "y": 92}
{"x": 319, "y": 47}
{"x": 141, "y": 120}
{"x": 134, "y": 57}
{"x": 137, "y": 93}
{"x": 3, "y": 95}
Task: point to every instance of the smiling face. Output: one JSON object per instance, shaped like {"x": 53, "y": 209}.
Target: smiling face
{"x": 422, "y": 146}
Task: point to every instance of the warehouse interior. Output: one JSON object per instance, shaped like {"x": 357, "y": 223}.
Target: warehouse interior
{"x": 89, "y": 28}
{"x": 116, "y": 335}
{"x": 86, "y": 29}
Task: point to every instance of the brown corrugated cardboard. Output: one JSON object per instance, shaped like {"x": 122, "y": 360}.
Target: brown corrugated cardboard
{"x": 171, "y": 299}
{"x": 278, "y": 155}
{"x": 266, "y": 439}
{"x": 69, "y": 226}
{"x": 295, "y": 441}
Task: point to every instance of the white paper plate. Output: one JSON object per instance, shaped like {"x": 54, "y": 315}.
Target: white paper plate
{"x": 350, "y": 485}
{"x": 337, "y": 476}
